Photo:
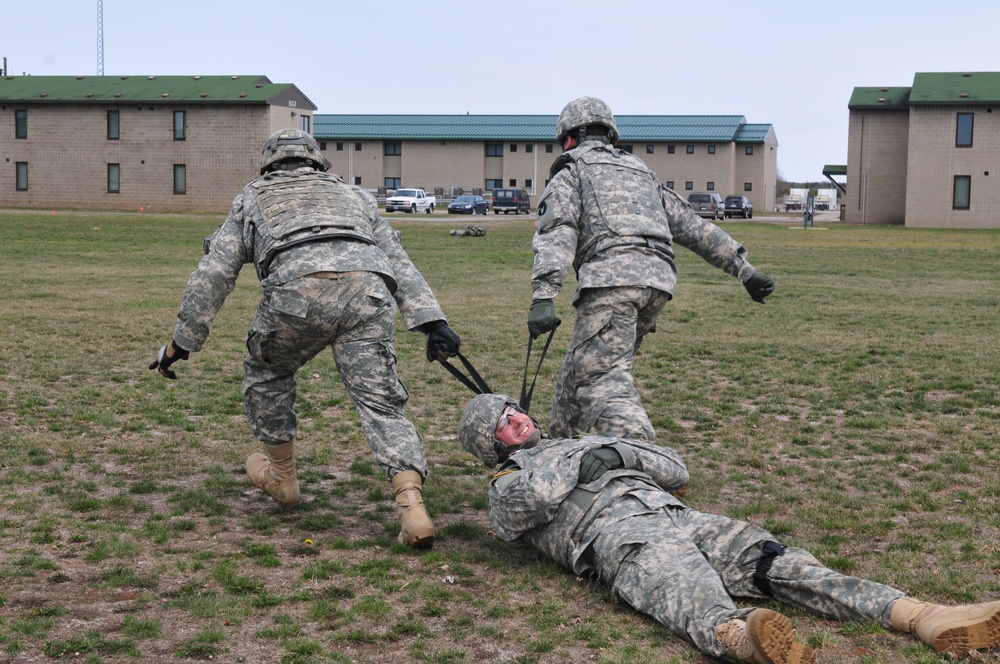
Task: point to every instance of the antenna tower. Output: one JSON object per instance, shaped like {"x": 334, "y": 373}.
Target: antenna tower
{"x": 100, "y": 37}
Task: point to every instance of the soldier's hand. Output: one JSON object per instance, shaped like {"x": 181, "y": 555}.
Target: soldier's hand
{"x": 598, "y": 461}
{"x": 759, "y": 285}
{"x": 442, "y": 342}
{"x": 167, "y": 356}
{"x": 541, "y": 318}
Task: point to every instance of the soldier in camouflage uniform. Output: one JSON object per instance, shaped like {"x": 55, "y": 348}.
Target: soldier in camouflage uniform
{"x": 602, "y": 506}
{"x": 608, "y": 215}
{"x": 333, "y": 273}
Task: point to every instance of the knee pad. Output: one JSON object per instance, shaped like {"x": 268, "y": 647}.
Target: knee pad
{"x": 769, "y": 552}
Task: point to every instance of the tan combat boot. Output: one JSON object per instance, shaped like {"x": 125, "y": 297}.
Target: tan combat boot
{"x": 417, "y": 530}
{"x": 765, "y": 637}
{"x": 275, "y": 473}
{"x": 954, "y": 629}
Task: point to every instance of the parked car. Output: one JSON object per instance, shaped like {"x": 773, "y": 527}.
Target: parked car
{"x": 708, "y": 205}
{"x": 739, "y": 206}
{"x": 511, "y": 200}
{"x": 469, "y": 205}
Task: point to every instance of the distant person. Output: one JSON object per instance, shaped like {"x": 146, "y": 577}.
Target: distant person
{"x": 332, "y": 273}
{"x": 603, "y": 506}
{"x": 606, "y": 214}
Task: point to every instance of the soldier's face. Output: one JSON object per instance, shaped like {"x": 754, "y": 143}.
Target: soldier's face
{"x": 516, "y": 430}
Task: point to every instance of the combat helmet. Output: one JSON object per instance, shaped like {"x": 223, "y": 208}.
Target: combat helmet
{"x": 291, "y": 144}
{"x": 477, "y": 428}
{"x": 583, "y": 112}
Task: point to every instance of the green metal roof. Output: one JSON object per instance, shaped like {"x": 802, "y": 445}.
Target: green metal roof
{"x": 144, "y": 89}
{"x": 956, "y": 88}
{"x": 834, "y": 169}
{"x": 530, "y": 127}
{"x": 880, "y": 97}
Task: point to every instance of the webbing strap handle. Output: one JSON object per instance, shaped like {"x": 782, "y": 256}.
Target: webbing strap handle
{"x": 526, "y": 393}
{"x": 477, "y": 387}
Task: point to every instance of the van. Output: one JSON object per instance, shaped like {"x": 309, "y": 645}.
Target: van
{"x": 511, "y": 200}
{"x": 708, "y": 205}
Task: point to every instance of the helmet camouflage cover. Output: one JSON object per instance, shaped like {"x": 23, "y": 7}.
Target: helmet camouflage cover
{"x": 477, "y": 428}
{"x": 291, "y": 144}
{"x": 583, "y": 112}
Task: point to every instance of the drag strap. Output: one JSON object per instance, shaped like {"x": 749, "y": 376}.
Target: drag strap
{"x": 526, "y": 393}
{"x": 477, "y": 387}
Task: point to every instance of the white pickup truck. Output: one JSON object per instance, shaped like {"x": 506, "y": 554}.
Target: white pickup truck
{"x": 410, "y": 200}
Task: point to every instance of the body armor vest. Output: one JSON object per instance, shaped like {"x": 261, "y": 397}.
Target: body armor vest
{"x": 621, "y": 203}
{"x": 290, "y": 208}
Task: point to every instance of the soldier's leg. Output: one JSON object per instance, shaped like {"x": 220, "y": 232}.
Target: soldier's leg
{"x": 654, "y": 567}
{"x": 366, "y": 359}
{"x": 279, "y": 343}
{"x": 752, "y": 564}
{"x": 595, "y": 391}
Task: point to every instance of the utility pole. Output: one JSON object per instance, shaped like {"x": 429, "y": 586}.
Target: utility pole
{"x": 100, "y": 37}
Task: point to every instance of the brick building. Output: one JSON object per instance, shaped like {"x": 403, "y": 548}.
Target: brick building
{"x": 923, "y": 156}
{"x": 449, "y": 154}
{"x": 164, "y": 143}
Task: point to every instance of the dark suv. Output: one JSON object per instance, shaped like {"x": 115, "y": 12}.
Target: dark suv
{"x": 739, "y": 206}
{"x": 511, "y": 200}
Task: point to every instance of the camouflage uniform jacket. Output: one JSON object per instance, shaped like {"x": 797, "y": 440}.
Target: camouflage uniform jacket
{"x": 535, "y": 496}
{"x": 237, "y": 242}
{"x": 571, "y": 225}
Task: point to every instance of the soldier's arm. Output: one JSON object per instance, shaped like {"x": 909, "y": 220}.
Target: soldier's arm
{"x": 212, "y": 282}
{"x": 704, "y": 238}
{"x": 662, "y": 464}
{"x": 555, "y": 241}
{"x": 522, "y": 499}
{"x": 414, "y": 296}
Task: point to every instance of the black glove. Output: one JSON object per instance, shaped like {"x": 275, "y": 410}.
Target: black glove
{"x": 759, "y": 285}
{"x": 598, "y": 461}
{"x": 541, "y": 318}
{"x": 442, "y": 342}
{"x": 167, "y": 356}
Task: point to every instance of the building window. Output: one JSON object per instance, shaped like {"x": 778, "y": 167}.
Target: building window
{"x": 690, "y": 149}
{"x": 179, "y": 133}
{"x": 963, "y": 130}
{"x": 305, "y": 123}
{"x": 180, "y": 179}
{"x": 513, "y": 182}
{"x": 527, "y": 183}
{"x": 963, "y": 192}
{"x": 322, "y": 146}
{"x": 711, "y": 149}
{"x": 671, "y": 149}
{"x": 20, "y": 124}
{"x": 357, "y": 147}
{"x": 649, "y": 149}
{"x": 670, "y": 184}
{"x": 710, "y": 185}
{"x": 113, "y": 126}
{"x": 548, "y": 149}
{"x": 528, "y": 147}
{"x": 749, "y": 149}
{"x": 340, "y": 147}
{"x": 393, "y": 183}
{"x": 494, "y": 184}
{"x": 626, "y": 148}
{"x": 688, "y": 186}
{"x": 114, "y": 178}
{"x": 513, "y": 147}
{"x": 357, "y": 180}
{"x": 494, "y": 149}
{"x": 22, "y": 176}
{"x": 748, "y": 186}
{"x": 393, "y": 149}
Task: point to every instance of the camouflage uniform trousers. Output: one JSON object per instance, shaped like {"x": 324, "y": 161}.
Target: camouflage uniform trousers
{"x": 683, "y": 567}
{"x": 595, "y": 392}
{"x": 354, "y": 315}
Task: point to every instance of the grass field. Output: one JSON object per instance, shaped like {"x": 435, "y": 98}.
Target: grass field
{"x": 856, "y": 414}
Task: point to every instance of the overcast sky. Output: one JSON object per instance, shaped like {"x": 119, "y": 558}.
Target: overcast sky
{"x": 789, "y": 64}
